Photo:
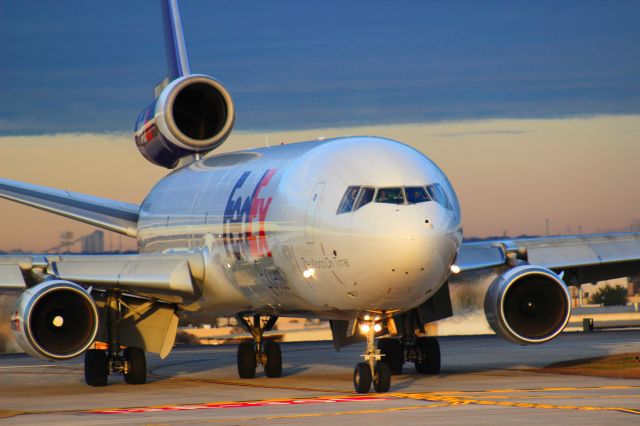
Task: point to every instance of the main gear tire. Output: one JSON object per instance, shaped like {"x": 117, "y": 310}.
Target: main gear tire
{"x": 430, "y": 359}
{"x": 393, "y": 354}
{"x": 273, "y": 366}
{"x": 136, "y": 370}
{"x": 246, "y": 360}
{"x": 96, "y": 367}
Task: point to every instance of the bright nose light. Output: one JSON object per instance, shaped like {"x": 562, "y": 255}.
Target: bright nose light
{"x": 455, "y": 269}
{"x": 308, "y": 273}
{"x": 377, "y": 328}
{"x": 58, "y": 321}
{"x": 364, "y": 328}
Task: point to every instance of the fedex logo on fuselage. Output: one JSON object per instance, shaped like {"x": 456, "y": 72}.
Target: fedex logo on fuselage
{"x": 245, "y": 216}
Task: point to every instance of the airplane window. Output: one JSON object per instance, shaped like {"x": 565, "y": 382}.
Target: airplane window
{"x": 438, "y": 195}
{"x": 348, "y": 199}
{"x": 366, "y": 196}
{"x": 390, "y": 196}
{"x": 416, "y": 194}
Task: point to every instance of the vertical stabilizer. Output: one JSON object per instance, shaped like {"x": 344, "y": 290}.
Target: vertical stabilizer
{"x": 177, "y": 59}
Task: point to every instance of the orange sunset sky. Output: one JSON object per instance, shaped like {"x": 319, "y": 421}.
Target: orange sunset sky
{"x": 581, "y": 173}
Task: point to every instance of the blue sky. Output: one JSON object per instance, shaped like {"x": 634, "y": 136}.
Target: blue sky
{"x": 77, "y": 66}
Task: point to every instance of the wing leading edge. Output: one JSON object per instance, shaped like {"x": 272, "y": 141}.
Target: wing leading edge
{"x": 169, "y": 277}
{"x": 101, "y": 212}
{"x": 583, "y": 258}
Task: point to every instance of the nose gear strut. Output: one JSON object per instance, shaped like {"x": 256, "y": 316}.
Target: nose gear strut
{"x": 371, "y": 370}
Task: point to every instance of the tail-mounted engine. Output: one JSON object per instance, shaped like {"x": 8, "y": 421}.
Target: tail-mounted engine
{"x": 528, "y": 305}
{"x": 193, "y": 115}
{"x": 55, "y": 320}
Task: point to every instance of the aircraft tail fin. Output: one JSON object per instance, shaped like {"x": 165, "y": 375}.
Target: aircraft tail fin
{"x": 177, "y": 59}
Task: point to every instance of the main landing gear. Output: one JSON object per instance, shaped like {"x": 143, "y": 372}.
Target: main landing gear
{"x": 131, "y": 362}
{"x": 424, "y": 352}
{"x": 268, "y": 353}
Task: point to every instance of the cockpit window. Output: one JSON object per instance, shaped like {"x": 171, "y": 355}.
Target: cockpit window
{"x": 366, "y": 196}
{"x": 348, "y": 200}
{"x": 438, "y": 195}
{"x": 416, "y": 194}
{"x": 390, "y": 196}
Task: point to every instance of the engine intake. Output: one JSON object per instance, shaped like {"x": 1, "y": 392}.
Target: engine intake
{"x": 528, "y": 305}
{"x": 55, "y": 320}
{"x": 193, "y": 114}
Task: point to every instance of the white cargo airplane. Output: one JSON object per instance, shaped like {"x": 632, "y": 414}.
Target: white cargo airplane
{"x": 361, "y": 231}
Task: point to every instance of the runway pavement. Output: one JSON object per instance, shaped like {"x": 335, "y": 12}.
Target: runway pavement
{"x": 483, "y": 381}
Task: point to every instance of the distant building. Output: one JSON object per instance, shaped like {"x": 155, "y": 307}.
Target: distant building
{"x": 93, "y": 243}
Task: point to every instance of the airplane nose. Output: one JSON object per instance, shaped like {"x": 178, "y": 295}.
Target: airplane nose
{"x": 405, "y": 240}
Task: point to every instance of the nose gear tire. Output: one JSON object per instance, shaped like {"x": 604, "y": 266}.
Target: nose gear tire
{"x": 382, "y": 381}
{"x": 362, "y": 377}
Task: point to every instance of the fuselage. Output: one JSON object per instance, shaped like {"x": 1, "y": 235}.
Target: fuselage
{"x": 326, "y": 228}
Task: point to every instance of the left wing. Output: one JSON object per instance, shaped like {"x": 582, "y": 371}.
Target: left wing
{"x": 101, "y": 212}
{"x": 582, "y": 258}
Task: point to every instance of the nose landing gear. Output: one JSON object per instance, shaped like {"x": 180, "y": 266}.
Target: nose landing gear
{"x": 250, "y": 354}
{"x": 372, "y": 370}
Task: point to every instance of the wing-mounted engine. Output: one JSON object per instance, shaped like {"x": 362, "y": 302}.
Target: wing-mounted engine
{"x": 193, "y": 115}
{"x": 55, "y": 320}
{"x": 527, "y": 305}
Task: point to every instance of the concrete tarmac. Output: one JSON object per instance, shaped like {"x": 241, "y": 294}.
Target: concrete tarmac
{"x": 484, "y": 380}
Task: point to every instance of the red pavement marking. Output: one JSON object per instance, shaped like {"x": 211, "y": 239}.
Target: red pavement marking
{"x": 219, "y": 405}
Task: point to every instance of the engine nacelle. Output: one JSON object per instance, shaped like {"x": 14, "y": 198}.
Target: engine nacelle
{"x": 193, "y": 114}
{"x": 527, "y": 305}
{"x": 55, "y": 320}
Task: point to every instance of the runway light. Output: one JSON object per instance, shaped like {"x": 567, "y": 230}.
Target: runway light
{"x": 455, "y": 269}
{"x": 364, "y": 328}
{"x": 377, "y": 328}
{"x": 308, "y": 273}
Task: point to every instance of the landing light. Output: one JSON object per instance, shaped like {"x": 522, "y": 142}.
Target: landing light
{"x": 364, "y": 328}
{"x": 308, "y": 273}
{"x": 455, "y": 269}
{"x": 377, "y": 328}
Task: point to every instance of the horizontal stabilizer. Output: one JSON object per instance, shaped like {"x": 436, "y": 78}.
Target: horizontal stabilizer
{"x": 101, "y": 212}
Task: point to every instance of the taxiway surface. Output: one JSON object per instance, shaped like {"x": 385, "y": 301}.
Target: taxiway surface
{"x": 483, "y": 381}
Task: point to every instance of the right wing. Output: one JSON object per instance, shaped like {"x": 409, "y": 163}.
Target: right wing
{"x": 169, "y": 277}
{"x": 101, "y": 212}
